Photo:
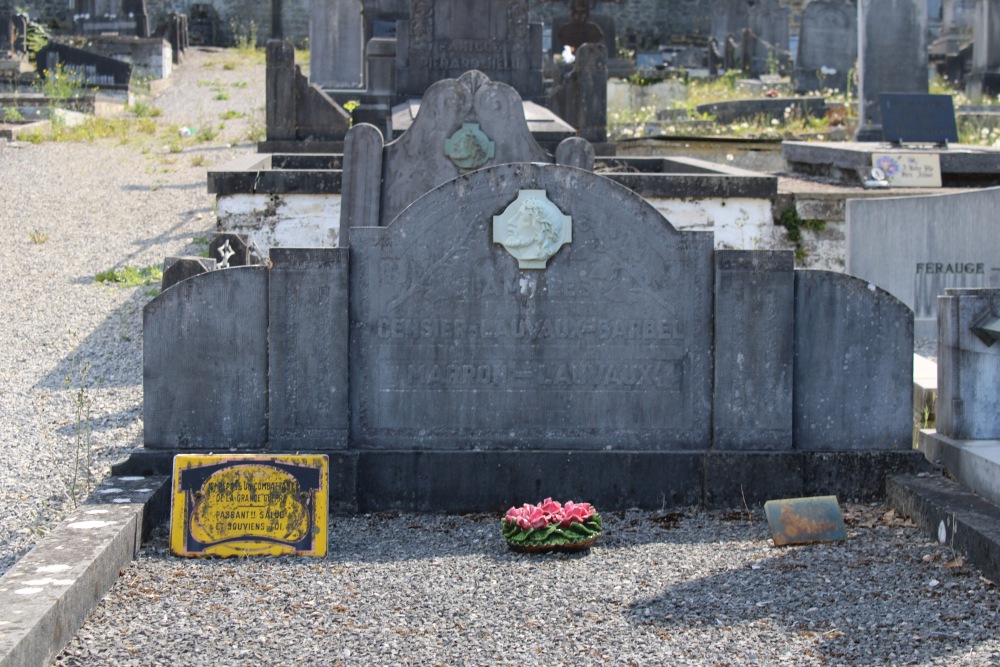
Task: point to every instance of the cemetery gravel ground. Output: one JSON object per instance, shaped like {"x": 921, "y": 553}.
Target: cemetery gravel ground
{"x": 693, "y": 588}
{"x": 69, "y": 211}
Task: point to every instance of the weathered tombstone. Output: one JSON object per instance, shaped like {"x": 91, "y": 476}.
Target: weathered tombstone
{"x": 892, "y": 56}
{"x": 853, "y": 363}
{"x": 917, "y": 247}
{"x": 769, "y": 24}
{"x": 205, "y": 361}
{"x": 444, "y": 39}
{"x": 335, "y": 43}
{"x": 754, "y": 324}
{"x": 452, "y": 344}
{"x": 307, "y": 349}
{"x": 828, "y": 46}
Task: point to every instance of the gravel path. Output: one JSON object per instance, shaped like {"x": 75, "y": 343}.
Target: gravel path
{"x": 689, "y": 588}
{"x": 69, "y": 211}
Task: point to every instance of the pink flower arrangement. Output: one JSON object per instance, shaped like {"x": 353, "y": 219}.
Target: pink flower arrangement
{"x": 551, "y": 524}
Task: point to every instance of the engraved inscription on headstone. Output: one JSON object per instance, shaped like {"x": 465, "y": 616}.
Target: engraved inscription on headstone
{"x": 532, "y": 229}
{"x": 246, "y": 505}
{"x": 453, "y": 345}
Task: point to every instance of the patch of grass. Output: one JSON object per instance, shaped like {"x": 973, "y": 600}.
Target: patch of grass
{"x": 12, "y": 115}
{"x": 198, "y": 160}
{"x": 229, "y": 66}
{"x": 239, "y": 84}
{"x": 256, "y": 132}
{"x": 231, "y": 114}
{"x": 143, "y": 109}
{"x": 130, "y": 276}
{"x": 38, "y": 237}
{"x": 206, "y": 134}
{"x": 206, "y": 82}
{"x": 221, "y": 96}
{"x": 794, "y": 224}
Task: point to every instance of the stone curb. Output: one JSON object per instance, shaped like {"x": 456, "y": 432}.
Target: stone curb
{"x": 953, "y": 515}
{"x": 48, "y": 594}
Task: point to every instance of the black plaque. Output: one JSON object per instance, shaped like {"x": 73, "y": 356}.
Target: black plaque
{"x": 913, "y": 118}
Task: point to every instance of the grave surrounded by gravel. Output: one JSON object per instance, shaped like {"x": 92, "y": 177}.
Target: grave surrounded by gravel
{"x": 659, "y": 588}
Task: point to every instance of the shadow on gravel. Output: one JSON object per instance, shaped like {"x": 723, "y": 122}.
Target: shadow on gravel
{"x": 853, "y": 608}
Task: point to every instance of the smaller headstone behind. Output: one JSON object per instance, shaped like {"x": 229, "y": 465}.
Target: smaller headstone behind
{"x": 828, "y": 46}
{"x": 176, "y": 269}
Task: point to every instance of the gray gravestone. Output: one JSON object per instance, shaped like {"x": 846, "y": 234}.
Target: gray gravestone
{"x": 769, "y": 22}
{"x": 828, "y": 46}
{"x": 335, "y": 43}
{"x": 853, "y": 365}
{"x": 968, "y": 403}
{"x": 454, "y": 346}
{"x": 205, "y": 361}
{"x": 464, "y": 124}
{"x": 968, "y": 400}
{"x": 176, "y": 269}
{"x": 985, "y": 76}
{"x": 892, "y": 56}
{"x": 443, "y": 39}
{"x": 916, "y": 247}
{"x": 754, "y": 310}
{"x": 307, "y": 348}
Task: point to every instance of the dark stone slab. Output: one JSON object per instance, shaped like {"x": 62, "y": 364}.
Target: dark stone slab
{"x": 918, "y": 118}
{"x": 857, "y": 476}
{"x": 363, "y": 181}
{"x": 738, "y": 479}
{"x": 205, "y": 363}
{"x": 454, "y": 346}
{"x": 444, "y": 38}
{"x": 91, "y": 68}
{"x": 254, "y": 174}
{"x": 581, "y": 96}
{"x": 176, "y": 269}
{"x": 853, "y": 365}
{"x": 307, "y": 349}
{"x": 968, "y": 401}
{"x": 971, "y": 524}
{"x": 417, "y": 481}
{"x": 419, "y": 160}
{"x": 754, "y": 311}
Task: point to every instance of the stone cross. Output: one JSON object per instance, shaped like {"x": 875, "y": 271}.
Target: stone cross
{"x": 581, "y": 30}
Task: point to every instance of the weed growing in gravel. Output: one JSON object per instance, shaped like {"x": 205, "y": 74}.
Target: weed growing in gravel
{"x": 83, "y": 450}
{"x": 143, "y": 109}
{"x": 197, "y": 160}
{"x": 231, "y": 114}
{"x": 229, "y": 66}
{"x": 239, "y": 84}
{"x": 130, "y": 276}
{"x": 38, "y": 237}
{"x": 221, "y": 96}
{"x": 12, "y": 115}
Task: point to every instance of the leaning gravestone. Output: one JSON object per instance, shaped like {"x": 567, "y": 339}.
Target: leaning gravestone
{"x": 917, "y": 247}
{"x": 828, "y": 46}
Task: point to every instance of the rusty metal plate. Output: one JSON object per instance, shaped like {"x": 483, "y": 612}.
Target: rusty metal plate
{"x": 249, "y": 505}
{"x": 805, "y": 520}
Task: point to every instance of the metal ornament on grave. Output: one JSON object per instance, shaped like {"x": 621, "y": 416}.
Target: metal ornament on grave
{"x": 469, "y": 148}
{"x": 532, "y": 229}
{"x": 249, "y": 505}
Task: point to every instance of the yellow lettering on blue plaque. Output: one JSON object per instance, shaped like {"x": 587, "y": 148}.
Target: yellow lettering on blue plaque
{"x": 249, "y": 505}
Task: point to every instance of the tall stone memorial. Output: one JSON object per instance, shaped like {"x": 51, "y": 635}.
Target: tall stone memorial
{"x": 828, "y": 46}
{"x": 892, "y": 53}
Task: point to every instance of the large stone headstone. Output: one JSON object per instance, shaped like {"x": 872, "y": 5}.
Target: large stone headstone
{"x": 443, "y": 39}
{"x": 828, "y": 46}
{"x": 853, "y": 365}
{"x": 892, "y": 56}
{"x": 985, "y": 76}
{"x": 454, "y": 346}
{"x": 916, "y": 247}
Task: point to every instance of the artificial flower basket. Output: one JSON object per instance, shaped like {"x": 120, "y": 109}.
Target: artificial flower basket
{"x": 551, "y": 526}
